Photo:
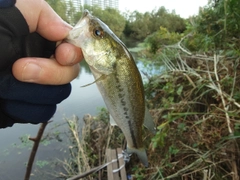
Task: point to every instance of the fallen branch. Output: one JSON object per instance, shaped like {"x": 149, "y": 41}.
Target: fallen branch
{"x": 180, "y": 47}
{"x": 216, "y": 60}
{"x": 36, "y": 141}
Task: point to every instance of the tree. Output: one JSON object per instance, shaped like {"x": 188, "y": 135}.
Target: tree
{"x": 139, "y": 25}
{"x": 160, "y": 39}
{"x": 216, "y": 27}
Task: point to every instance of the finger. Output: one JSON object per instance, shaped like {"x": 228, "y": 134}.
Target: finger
{"x": 68, "y": 54}
{"x": 30, "y": 10}
{"x": 44, "y": 71}
{"x": 50, "y": 25}
{"x": 43, "y": 19}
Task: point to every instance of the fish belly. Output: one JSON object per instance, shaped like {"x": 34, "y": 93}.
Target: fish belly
{"x": 124, "y": 99}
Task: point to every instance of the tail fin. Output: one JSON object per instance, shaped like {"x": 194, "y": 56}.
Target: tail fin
{"x": 141, "y": 153}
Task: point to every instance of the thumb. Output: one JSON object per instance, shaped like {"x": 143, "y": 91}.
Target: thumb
{"x": 44, "y": 71}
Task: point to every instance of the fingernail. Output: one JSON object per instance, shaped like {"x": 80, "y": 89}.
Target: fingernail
{"x": 31, "y": 72}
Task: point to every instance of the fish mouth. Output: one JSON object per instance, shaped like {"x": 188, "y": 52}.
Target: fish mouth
{"x": 85, "y": 13}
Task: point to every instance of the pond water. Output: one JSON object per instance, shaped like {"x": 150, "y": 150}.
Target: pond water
{"x": 15, "y": 149}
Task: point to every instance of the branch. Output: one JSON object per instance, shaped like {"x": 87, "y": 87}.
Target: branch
{"x": 93, "y": 170}
{"x": 216, "y": 60}
{"x": 180, "y": 47}
{"x": 36, "y": 141}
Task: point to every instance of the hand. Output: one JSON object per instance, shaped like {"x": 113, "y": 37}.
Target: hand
{"x": 62, "y": 68}
{"x": 39, "y": 83}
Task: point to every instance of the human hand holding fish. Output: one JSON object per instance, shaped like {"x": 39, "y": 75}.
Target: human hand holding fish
{"x": 117, "y": 78}
{"x": 35, "y": 74}
{"x": 63, "y": 67}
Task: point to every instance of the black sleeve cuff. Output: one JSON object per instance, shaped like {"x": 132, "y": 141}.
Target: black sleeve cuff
{"x": 12, "y": 22}
{"x": 7, "y": 3}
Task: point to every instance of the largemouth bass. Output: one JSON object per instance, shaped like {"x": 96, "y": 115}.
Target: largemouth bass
{"x": 117, "y": 78}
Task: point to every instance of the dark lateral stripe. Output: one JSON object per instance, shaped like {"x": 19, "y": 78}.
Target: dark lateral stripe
{"x": 121, "y": 95}
{"x": 132, "y": 134}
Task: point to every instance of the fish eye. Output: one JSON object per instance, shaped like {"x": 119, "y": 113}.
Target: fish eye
{"x": 98, "y": 32}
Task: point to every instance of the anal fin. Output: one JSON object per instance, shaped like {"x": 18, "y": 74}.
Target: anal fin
{"x": 148, "y": 121}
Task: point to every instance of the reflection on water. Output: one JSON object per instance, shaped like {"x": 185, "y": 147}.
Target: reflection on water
{"x": 81, "y": 101}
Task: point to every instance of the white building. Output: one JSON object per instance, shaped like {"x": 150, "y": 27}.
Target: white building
{"x": 102, "y": 3}
{"x": 77, "y": 4}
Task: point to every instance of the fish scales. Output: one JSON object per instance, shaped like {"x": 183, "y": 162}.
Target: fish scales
{"x": 121, "y": 86}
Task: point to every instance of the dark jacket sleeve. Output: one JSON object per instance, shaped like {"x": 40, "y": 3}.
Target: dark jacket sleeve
{"x": 16, "y": 41}
{"x": 7, "y": 3}
{"x": 13, "y": 29}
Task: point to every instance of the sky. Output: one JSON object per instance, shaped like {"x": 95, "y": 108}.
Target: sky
{"x": 184, "y": 8}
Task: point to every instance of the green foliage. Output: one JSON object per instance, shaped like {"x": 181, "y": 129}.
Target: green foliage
{"x": 103, "y": 115}
{"x": 42, "y": 164}
{"x": 160, "y": 39}
{"x": 173, "y": 150}
{"x": 139, "y": 26}
{"x": 25, "y": 142}
{"x": 139, "y": 173}
{"x": 216, "y": 27}
{"x": 170, "y": 21}
{"x": 159, "y": 139}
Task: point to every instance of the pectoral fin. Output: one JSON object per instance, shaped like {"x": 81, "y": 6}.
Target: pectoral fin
{"x": 148, "y": 121}
{"x": 102, "y": 77}
{"x": 112, "y": 121}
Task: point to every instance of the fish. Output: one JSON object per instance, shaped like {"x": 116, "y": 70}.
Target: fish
{"x": 117, "y": 77}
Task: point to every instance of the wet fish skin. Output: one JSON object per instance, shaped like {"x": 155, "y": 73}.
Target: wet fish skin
{"x": 117, "y": 78}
